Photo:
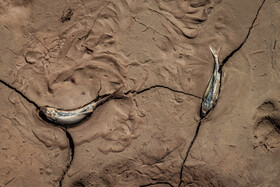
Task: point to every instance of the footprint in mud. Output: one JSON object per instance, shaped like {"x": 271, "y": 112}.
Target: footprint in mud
{"x": 267, "y": 126}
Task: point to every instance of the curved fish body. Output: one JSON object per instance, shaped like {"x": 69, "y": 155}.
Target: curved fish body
{"x": 67, "y": 117}
{"x": 212, "y": 92}
{"x": 70, "y": 118}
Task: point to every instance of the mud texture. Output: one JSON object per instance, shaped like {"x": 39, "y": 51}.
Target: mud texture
{"x": 65, "y": 54}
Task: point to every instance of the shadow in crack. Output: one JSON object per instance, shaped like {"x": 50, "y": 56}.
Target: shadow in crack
{"x": 70, "y": 158}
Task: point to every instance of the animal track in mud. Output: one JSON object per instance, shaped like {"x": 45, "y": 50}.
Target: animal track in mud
{"x": 267, "y": 126}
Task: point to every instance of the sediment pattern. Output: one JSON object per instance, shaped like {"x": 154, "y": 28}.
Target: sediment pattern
{"x": 151, "y": 59}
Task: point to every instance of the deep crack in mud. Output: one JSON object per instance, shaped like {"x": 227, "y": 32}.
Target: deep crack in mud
{"x": 20, "y": 93}
{"x": 247, "y": 36}
{"x": 221, "y": 66}
{"x": 165, "y": 87}
{"x": 156, "y": 183}
{"x": 70, "y": 158}
{"x": 188, "y": 151}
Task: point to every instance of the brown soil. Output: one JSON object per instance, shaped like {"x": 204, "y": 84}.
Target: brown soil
{"x": 65, "y": 54}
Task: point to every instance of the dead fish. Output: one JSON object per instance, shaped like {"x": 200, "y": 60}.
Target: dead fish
{"x": 212, "y": 92}
{"x": 69, "y": 118}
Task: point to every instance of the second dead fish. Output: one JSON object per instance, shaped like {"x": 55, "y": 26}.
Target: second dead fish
{"x": 212, "y": 92}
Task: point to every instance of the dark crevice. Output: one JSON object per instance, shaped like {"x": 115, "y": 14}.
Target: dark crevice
{"x": 220, "y": 69}
{"x": 187, "y": 153}
{"x": 70, "y": 158}
{"x": 152, "y": 184}
{"x": 20, "y": 93}
{"x": 244, "y": 41}
{"x": 161, "y": 86}
{"x": 68, "y": 135}
{"x": 88, "y": 50}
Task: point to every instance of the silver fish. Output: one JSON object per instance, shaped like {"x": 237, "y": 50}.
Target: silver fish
{"x": 212, "y": 92}
{"x": 72, "y": 117}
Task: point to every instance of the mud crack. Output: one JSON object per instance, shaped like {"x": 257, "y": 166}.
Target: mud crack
{"x": 70, "y": 158}
{"x": 203, "y": 117}
{"x": 20, "y": 93}
{"x": 162, "y": 86}
{"x": 247, "y": 36}
{"x": 156, "y": 183}
{"x": 187, "y": 153}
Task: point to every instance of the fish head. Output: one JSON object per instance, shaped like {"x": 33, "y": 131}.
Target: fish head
{"x": 49, "y": 113}
{"x": 205, "y": 108}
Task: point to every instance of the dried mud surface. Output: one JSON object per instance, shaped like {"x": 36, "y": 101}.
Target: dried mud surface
{"x": 65, "y": 54}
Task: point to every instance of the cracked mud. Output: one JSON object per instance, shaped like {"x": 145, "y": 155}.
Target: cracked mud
{"x": 151, "y": 132}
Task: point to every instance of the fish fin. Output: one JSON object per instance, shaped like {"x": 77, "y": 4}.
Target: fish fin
{"x": 115, "y": 93}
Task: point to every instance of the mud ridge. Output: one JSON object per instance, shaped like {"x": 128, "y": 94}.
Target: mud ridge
{"x": 171, "y": 23}
{"x": 71, "y": 156}
{"x": 97, "y": 16}
{"x": 152, "y": 184}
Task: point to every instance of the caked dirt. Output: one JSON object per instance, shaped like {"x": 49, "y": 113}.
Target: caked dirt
{"x": 66, "y": 54}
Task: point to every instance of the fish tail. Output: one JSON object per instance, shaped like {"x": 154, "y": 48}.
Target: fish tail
{"x": 215, "y": 54}
{"x": 112, "y": 95}
{"x": 213, "y": 51}
{"x": 118, "y": 91}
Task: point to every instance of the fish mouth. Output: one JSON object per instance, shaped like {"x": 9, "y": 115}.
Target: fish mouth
{"x": 203, "y": 112}
{"x": 42, "y": 114}
{"x": 45, "y": 118}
